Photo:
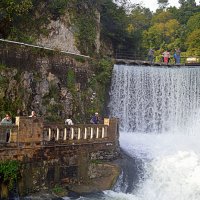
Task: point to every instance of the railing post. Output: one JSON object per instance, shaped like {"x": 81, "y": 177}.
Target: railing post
{"x": 103, "y": 132}
{"x": 49, "y": 134}
{"x": 85, "y": 134}
{"x": 79, "y": 133}
{"x": 106, "y": 132}
{"x": 97, "y": 136}
{"x": 57, "y": 134}
{"x": 72, "y": 136}
{"x": 65, "y": 134}
{"x": 91, "y": 133}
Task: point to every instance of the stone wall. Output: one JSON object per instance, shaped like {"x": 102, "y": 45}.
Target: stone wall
{"x": 45, "y": 164}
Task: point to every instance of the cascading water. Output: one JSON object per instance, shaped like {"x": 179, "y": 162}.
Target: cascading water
{"x": 150, "y": 99}
{"x": 159, "y": 113}
{"x": 158, "y": 108}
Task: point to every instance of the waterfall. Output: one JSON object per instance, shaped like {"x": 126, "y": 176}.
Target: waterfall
{"x": 155, "y": 99}
{"x": 159, "y": 113}
{"x": 158, "y": 109}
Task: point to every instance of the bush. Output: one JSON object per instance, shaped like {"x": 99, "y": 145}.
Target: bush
{"x": 9, "y": 172}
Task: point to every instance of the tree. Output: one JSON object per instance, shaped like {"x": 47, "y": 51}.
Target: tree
{"x": 187, "y": 3}
{"x": 163, "y": 33}
{"x": 194, "y": 22}
{"x": 186, "y": 10}
{"x": 193, "y": 42}
{"x": 10, "y": 9}
{"x": 139, "y": 20}
{"x": 161, "y": 17}
{"x": 163, "y": 4}
{"x": 114, "y": 21}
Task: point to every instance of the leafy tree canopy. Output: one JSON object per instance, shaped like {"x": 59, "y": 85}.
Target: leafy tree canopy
{"x": 162, "y": 17}
{"x": 194, "y": 22}
{"x": 163, "y": 3}
{"x": 8, "y": 10}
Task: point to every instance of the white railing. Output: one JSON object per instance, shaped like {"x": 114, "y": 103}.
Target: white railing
{"x": 69, "y": 133}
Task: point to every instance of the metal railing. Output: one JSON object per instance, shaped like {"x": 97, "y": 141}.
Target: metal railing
{"x": 140, "y": 56}
{"x": 43, "y": 47}
{"x": 130, "y": 55}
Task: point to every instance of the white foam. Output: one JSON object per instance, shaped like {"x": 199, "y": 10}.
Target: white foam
{"x": 172, "y": 165}
{"x": 159, "y": 112}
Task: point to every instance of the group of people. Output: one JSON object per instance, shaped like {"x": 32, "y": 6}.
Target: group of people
{"x": 94, "y": 120}
{"x": 166, "y": 56}
{"x": 7, "y": 120}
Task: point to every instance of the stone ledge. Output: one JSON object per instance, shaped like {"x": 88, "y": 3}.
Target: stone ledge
{"x": 109, "y": 175}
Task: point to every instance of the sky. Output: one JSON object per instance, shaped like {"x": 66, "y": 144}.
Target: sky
{"x": 152, "y": 4}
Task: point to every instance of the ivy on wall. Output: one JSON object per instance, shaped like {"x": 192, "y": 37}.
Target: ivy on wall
{"x": 9, "y": 172}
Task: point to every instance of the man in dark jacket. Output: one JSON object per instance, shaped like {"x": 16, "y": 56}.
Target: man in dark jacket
{"x": 95, "y": 119}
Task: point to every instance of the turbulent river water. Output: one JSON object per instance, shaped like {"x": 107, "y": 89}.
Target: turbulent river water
{"x": 159, "y": 113}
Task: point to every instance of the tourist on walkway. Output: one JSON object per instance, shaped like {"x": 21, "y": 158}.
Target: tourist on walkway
{"x": 33, "y": 114}
{"x": 166, "y": 56}
{"x": 95, "y": 119}
{"x": 7, "y": 121}
{"x": 151, "y": 55}
{"x": 178, "y": 56}
{"x": 69, "y": 121}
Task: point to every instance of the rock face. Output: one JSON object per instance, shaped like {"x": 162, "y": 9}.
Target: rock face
{"x": 52, "y": 85}
{"x": 102, "y": 177}
{"x": 61, "y": 36}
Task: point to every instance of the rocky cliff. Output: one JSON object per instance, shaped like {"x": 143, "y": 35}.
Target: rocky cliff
{"x": 53, "y": 84}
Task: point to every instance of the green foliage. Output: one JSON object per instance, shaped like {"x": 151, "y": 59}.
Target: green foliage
{"x": 85, "y": 22}
{"x": 193, "y": 42}
{"x": 162, "y": 17}
{"x": 58, "y": 190}
{"x": 163, "y": 3}
{"x": 104, "y": 71}
{"x": 80, "y": 59}
{"x": 136, "y": 30}
{"x": 3, "y": 81}
{"x": 115, "y": 23}
{"x": 9, "y": 172}
{"x": 10, "y": 9}
{"x": 96, "y": 162}
{"x": 99, "y": 84}
{"x": 53, "y": 92}
{"x": 2, "y": 67}
{"x": 57, "y": 7}
{"x": 53, "y": 113}
{"x": 194, "y": 22}
{"x": 19, "y": 35}
{"x": 71, "y": 80}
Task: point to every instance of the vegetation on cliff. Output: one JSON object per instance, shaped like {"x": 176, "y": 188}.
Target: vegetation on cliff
{"x": 123, "y": 28}
{"x": 9, "y": 172}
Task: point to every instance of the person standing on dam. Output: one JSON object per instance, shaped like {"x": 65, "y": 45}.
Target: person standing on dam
{"x": 151, "y": 55}
{"x": 95, "y": 119}
{"x": 7, "y": 121}
{"x": 166, "y": 56}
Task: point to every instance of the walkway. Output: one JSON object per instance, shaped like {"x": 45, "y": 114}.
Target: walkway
{"x": 148, "y": 63}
